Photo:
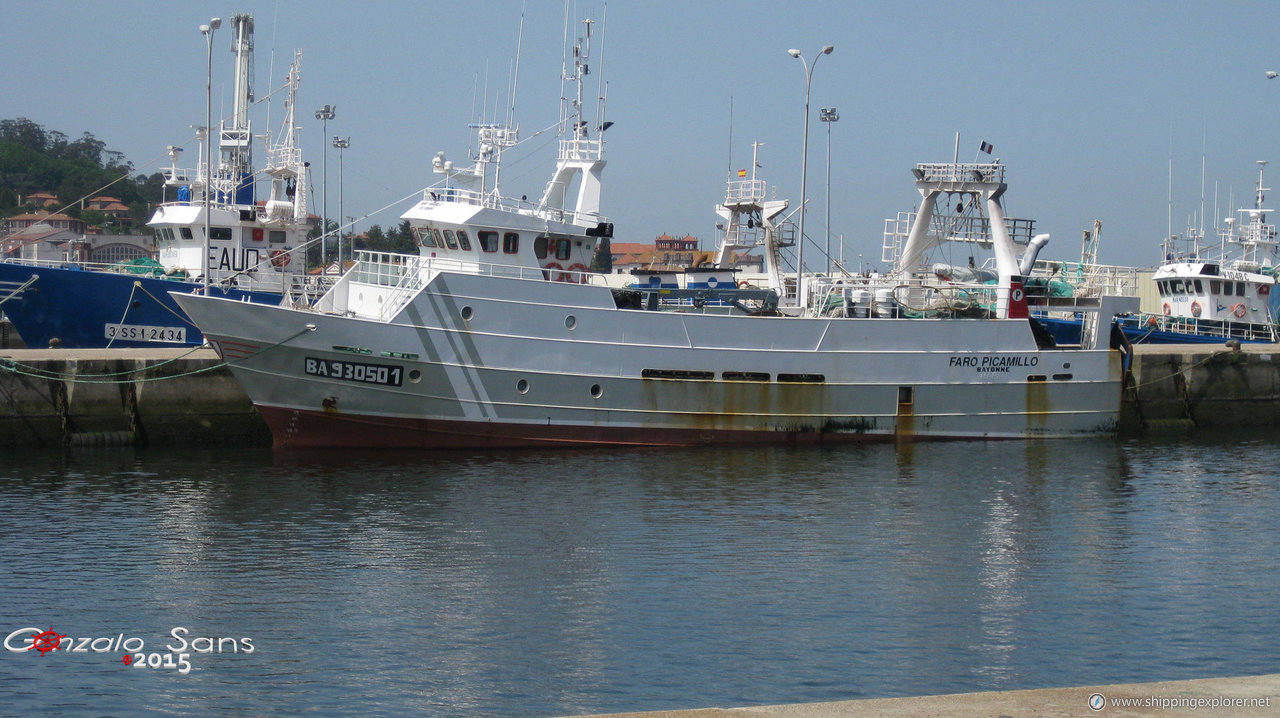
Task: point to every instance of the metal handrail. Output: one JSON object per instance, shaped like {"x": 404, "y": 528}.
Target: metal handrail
{"x": 433, "y": 196}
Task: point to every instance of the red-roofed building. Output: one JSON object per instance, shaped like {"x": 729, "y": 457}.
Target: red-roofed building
{"x": 673, "y": 253}
{"x": 39, "y": 199}
{"x": 19, "y": 222}
{"x": 45, "y": 237}
{"x": 109, "y": 205}
{"x": 41, "y": 243}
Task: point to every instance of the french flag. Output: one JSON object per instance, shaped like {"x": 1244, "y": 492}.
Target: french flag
{"x": 986, "y": 147}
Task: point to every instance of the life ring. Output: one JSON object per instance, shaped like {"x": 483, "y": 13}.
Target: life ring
{"x": 1239, "y": 310}
{"x": 1195, "y": 309}
{"x": 280, "y": 258}
{"x": 575, "y": 274}
{"x": 553, "y": 272}
{"x": 1167, "y": 309}
{"x": 1264, "y": 290}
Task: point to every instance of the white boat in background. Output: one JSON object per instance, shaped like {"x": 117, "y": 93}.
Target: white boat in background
{"x": 1204, "y": 297}
{"x": 497, "y": 335}
{"x": 1204, "y": 300}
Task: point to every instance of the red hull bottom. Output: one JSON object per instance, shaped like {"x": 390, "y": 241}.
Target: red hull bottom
{"x": 294, "y": 428}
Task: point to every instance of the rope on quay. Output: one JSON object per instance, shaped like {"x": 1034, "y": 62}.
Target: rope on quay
{"x": 20, "y": 369}
{"x": 1183, "y": 371}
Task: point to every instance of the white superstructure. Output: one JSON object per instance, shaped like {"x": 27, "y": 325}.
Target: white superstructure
{"x": 251, "y": 244}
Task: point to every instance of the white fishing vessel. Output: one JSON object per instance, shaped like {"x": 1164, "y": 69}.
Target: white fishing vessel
{"x": 1213, "y": 300}
{"x": 497, "y": 335}
{"x": 252, "y": 245}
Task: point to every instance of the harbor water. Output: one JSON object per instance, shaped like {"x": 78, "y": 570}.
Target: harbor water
{"x": 552, "y": 583}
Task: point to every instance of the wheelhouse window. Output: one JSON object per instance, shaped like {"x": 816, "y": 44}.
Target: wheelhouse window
{"x": 423, "y": 236}
{"x": 540, "y": 246}
{"x": 488, "y": 241}
{"x": 1199, "y": 287}
{"x": 464, "y": 241}
{"x": 510, "y": 243}
{"x": 562, "y": 248}
{"x": 219, "y": 233}
{"x": 185, "y": 232}
{"x": 450, "y": 239}
{"x": 276, "y": 236}
{"x": 1215, "y": 287}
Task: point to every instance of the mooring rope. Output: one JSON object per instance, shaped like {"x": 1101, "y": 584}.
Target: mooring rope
{"x": 127, "y": 305}
{"x": 179, "y": 315}
{"x": 1183, "y": 370}
{"x": 34, "y": 278}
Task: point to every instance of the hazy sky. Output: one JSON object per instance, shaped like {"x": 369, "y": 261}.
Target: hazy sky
{"x": 1087, "y": 103}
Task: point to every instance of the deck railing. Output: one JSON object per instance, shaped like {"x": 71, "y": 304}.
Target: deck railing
{"x": 435, "y": 196}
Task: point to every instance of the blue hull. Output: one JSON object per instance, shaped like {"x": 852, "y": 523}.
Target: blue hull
{"x": 91, "y": 309}
{"x": 1067, "y": 331}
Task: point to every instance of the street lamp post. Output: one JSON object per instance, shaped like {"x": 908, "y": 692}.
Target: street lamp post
{"x": 801, "y": 295}
{"x": 340, "y": 144}
{"x": 829, "y": 115}
{"x": 207, "y": 31}
{"x": 324, "y": 114}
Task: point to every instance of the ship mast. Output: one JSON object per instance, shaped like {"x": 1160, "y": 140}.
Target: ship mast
{"x": 580, "y": 156}
{"x": 1257, "y": 238}
{"x": 235, "y": 166}
{"x": 288, "y": 202}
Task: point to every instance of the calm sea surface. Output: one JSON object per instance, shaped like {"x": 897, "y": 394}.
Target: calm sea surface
{"x": 527, "y": 584}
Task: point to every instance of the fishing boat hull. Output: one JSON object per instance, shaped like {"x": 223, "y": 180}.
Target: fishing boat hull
{"x": 482, "y": 361}
{"x": 95, "y": 309}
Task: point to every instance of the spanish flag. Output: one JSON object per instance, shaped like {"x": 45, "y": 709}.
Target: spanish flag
{"x": 742, "y": 173}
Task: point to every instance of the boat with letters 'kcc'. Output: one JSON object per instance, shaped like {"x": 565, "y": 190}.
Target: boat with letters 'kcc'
{"x": 494, "y": 335}
{"x": 1208, "y": 297}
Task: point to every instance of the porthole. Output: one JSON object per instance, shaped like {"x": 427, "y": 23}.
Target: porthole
{"x": 570, "y": 322}
{"x": 467, "y": 313}
{"x": 522, "y": 386}
{"x": 596, "y": 391}
{"x": 415, "y": 376}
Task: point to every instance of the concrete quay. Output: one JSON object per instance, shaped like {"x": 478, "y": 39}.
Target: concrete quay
{"x": 1183, "y": 386}
{"x": 113, "y": 397}
{"x": 1241, "y": 697}
{"x": 181, "y": 396}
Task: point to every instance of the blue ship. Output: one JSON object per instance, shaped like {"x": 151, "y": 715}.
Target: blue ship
{"x": 68, "y": 306}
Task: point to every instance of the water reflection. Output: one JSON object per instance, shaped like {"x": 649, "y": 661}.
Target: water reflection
{"x": 559, "y": 582}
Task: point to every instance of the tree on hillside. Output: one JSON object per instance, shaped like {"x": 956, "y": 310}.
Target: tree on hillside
{"x": 25, "y": 133}
{"x": 33, "y": 159}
